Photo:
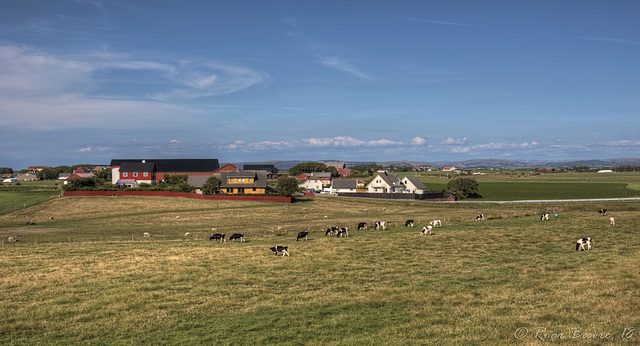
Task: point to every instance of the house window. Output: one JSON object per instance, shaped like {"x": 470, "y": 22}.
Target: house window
{"x": 135, "y": 174}
{"x": 125, "y": 174}
{"x": 254, "y": 189}
{"x": 243, "y": 180}
{"x": 146, "y": 174}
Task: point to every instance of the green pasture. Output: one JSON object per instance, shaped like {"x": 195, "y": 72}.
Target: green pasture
{"x": 503, "y": 187}
{"x": 89, "y": 277}
{"x": 12, "y": 200}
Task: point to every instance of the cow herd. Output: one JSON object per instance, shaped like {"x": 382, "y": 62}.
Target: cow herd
{"x": 581, "y": 245}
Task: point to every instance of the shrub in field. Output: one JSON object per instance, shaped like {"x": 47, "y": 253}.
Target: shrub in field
{"x": 463, "y": 187}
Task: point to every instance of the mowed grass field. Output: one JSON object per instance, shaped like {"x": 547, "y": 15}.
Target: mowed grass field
{"x": 89, "y": 276}
{"x": 505, "y": 187}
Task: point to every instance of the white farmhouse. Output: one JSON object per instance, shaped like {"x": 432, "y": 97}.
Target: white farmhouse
{"x": 385, "y": 183}
{"x": 344, "y": 185}
{"x": 413, "y": 185}
{"x": 312, "y": 184}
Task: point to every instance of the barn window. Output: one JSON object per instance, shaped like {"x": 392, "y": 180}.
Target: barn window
{"x": 146, "y": 174}
{"x": 125, "y": 174}
{"x": 135, "y": 174}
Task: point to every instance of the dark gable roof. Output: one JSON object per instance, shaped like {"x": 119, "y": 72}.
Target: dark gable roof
{"x": 416, "y": 182}
{"x": 138, "y": 167}
{"x": 175, "y": 165}
{"x": 268, "y": 168}
{"x": 345, "y": 183}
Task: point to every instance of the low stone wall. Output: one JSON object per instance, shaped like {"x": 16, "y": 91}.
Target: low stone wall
{"x": 257, "y": 198}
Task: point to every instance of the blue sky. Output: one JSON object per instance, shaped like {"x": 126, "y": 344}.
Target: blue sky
{"x": 86, "y": 81}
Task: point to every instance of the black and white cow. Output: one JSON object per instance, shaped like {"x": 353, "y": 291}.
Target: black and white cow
{"x": 380, "y": 224}
{"x": 343, "y": 232}
{"x": 436, "y": 223}
{"x": 408, "y": 223}
{"x": 362, "y": 225}
{"x": 331, "y": 231}
{"x": 216, "y": 237}
{"x": 426, "y": 230}
{"x": 544, "y": 217}
{"x": 582, "y": 242}
{"x": 303, "y": 235}
{"x": 279, "y": 248}
{"x": 480, "y": 217}
{"x": 602, "y": 212}
{"x": 237, "y": 236}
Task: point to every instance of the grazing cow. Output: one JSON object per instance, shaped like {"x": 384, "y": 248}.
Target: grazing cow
{"x": 436, "y": 223}
{"x": 612, "y": 221}
{"x": 382, "y": 224}
{"x": 187, "y": 234}
{"x": 279, "y": 248}
{"x": 544, "y": 217}
{"x": 237, "y": 236}
{"x": 480, "y": 217}
{"x": 146, "y": 235}
{"x": 12, "y": 239}
{"x": 426, "y": 230}
{"x": 29, "y": 223}
{"x": 408, "y": 223}
{"x": 343, "y": 232}
{"x": 218, "y": 236}
{"x": 582, "y": 242}
{"x": 602, "y": 212}
{"x": 331, "y": 230}
{"x": 362, "y": 225}
{"x": 304, "y": 235}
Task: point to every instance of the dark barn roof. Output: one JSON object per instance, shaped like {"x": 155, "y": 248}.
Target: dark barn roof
{"x": 175, "y": 165}
{"x": 138, "y": 167}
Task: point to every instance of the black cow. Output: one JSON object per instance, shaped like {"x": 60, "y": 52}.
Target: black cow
{"x": 362, "y": 225}
{"x": 279, "y": 248}
{"x": 216, "y": 237}
{"x": 480, "y": 217}
{"x": 408, "y": 223}
{"x": 304, "y": 235}
{"x": 603, "y": 212}
{"x": 237, "y": 236}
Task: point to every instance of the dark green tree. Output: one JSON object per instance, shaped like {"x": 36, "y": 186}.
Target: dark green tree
{"x": 463, "y": 187}
{"x": 307, "y": 167}
{"x": 211, "y": 186}
{"x": 104, "y": 175}
{"x": 6, "y": 170}
{"x": 287, "y": 186}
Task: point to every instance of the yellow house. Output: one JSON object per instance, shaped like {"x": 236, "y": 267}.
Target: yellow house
{"x": 243, "y": 182}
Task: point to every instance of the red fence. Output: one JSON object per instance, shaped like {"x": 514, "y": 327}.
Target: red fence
{"x": 257, "y": 198}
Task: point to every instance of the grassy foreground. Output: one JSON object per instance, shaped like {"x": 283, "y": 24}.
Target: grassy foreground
{"x": 88, "y": 276}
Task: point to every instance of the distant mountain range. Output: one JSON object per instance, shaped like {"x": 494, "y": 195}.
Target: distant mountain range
{"x": 468, "y": 164}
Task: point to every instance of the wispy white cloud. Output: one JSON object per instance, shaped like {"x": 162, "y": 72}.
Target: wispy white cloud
{"x": 342, "y": 65}
{"x": 610, "y": 40}
{"x": 454, "y": 141}
{"x": 418, "y": 141}
{"x": 41, "y": 90}
{"x": 433, "y": 21}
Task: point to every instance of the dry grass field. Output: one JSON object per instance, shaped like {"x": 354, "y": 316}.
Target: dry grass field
{"x": 89, "y": 276}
